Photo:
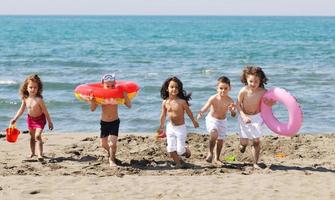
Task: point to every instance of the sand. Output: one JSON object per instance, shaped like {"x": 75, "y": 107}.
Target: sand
{"x": 76, "y": 167}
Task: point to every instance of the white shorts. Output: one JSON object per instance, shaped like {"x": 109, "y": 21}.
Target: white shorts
{"x": 176, "y": 138}
{"x": 220, "y": 125}
{"x": 251, "y": 130}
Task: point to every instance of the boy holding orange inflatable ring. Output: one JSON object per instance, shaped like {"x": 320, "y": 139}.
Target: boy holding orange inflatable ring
{"x": 248, "y": 105}
{"x": 109, "y": 120}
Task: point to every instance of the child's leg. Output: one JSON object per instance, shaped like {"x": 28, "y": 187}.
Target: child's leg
{"x": 38, "y": 137}
{"x": 212, "y": 142}
{"x": 243, "y": 144}
{"x": 187, "y": 153}
{"x": 256, "y": 149}
{"x": 175, "y": 143}
{"x": 219, "y": 145}
{"x": 112, "y": 149}
{"x": 104, "y": 144}
{"x": 175, "y": 158}
{"x": 32, "y": 143}
{"x": 182, "y": 148}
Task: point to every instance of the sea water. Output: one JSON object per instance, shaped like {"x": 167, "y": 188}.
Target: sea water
{"x": 296, "y": 53}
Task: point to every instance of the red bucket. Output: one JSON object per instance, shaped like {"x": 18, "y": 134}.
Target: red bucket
{"x": 12, "y": 133}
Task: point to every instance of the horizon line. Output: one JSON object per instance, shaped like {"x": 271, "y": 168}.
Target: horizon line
{"x": 167, "y": 15}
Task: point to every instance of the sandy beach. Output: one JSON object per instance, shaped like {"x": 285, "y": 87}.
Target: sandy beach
{"x": 76, "y": 167}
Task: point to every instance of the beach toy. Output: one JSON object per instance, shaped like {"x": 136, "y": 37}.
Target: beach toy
{"x": 280, "y": 155}
{"x": 107, "y": 96}
{"x": 293, "y": 125}
{"x": 12, "y": 133}
{"x": 230, "y": 158}
{"x": 160, "y": 134}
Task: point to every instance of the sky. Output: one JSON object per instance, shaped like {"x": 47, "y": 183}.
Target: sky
{"x": 169, "y": 7}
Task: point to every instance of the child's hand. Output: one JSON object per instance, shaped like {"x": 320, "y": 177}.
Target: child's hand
{"x": 160, "y": 133}
{"x": 12, "y": 121}
{"x": 91, "y": 99}
{"x": 199, "y": 115}
{"x": 231, "y": 107}
{"x": 246, "y": 119}
{"x": 91, "y": 96}
{"x": 160, "y": 130}
{"x": 196, "y": 124}
{"x": 269, "y": 102}
{"x": 125, "y": 94}
{"x": 51, "y": 126}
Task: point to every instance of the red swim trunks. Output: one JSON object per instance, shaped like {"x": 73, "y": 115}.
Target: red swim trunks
{"x": 36, "y": 122}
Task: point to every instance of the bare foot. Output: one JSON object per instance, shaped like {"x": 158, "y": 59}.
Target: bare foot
{"x": 209, "y": 158}
{"x": 242, "y": 148}
{"x": 187, "y": 152}
{"x": 40, "y": 158}
{"x": 182, "y": 165}
{"x": 32, "y": 155}
{"x": 112, "y": 162}
{"x": 256, "y": 166}
{"x": 218, "y": 162}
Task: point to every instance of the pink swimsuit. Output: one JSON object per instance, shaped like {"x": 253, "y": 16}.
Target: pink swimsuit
{"x": 36, "y": 122}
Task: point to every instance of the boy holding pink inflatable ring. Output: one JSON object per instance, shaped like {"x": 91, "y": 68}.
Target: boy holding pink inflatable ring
{"x": 248, "y": 105}
{"x": 109, "y": 120}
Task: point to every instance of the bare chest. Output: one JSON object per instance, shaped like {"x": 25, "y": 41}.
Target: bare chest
{"x": 173, "y": 106}
{"x": 32, "y": 104}
{"x": 221, "y": 104}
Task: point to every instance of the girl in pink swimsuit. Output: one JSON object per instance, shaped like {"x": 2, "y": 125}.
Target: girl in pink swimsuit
{"x": 38, "y": 115}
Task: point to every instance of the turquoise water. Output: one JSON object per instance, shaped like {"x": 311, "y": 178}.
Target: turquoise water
{"x": 297, "y": 53}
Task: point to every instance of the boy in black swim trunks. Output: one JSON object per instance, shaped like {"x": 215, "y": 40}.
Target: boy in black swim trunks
{"x": 109, "y": 119}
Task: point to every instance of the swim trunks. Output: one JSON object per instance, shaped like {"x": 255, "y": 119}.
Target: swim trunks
{"x": 109, "y": 128}
{"x": 176, "y": 138}
{"x": 220, "y": 125}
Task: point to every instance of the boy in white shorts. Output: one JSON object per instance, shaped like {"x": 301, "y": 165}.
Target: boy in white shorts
{"x": 216, "y": 120}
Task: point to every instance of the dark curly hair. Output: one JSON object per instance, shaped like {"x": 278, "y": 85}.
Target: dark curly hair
{"x": 256, "y": 71}
{"x": 33, "y": 78}
{"x": 181, "y": 92}
{"x": 224, "y": 79}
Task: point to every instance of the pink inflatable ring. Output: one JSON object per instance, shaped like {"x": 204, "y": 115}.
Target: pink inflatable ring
{"x": 293, "y": 125}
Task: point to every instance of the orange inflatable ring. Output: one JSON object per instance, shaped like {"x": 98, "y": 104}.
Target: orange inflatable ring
{"x": 107, "y": 96}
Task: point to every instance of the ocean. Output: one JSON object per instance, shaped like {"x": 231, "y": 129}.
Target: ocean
{"x": 296, "y": 53}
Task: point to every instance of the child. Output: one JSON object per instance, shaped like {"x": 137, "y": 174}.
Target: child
{"x": 174, "y": 105}
{"x": 109, "y": 120}
{"x": 31, "y": 93}
{"x": 248, "y": 105}
{"x": 216, "y": 120}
